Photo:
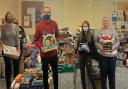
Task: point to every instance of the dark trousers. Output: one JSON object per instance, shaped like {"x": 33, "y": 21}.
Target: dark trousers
{"x": 86, "y": 62}
{"x": 53, "y": 61}
{"x": 21, "y": 50}
{"x": 8, "y": 69}
{"x": 107, "y": 67}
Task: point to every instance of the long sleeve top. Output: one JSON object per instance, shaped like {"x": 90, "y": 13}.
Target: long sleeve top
{"x": 108, "y": 34}
{"x": 9, "y": 35}
{"x": 42, "y": 29}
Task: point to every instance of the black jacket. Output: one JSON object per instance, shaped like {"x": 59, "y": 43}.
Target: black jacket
{"x": 91, "y": 45}
{"x": 22, "y": 34}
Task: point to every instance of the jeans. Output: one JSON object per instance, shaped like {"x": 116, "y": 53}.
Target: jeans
{"x": 107, "y": 68}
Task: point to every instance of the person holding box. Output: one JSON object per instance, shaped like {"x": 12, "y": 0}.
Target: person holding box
{"x": 107, "y": 42}
{"x": 46, "y": 39}
{"x": 9, "y": 37}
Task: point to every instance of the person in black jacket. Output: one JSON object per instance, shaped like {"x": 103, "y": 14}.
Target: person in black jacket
{"x": 85, "y": 46}
{"x": 22, "y": 35}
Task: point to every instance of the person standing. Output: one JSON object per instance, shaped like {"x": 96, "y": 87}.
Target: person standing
{"x": 22, "y": 34}
{"x": 9, "y": 36}
{"x": 22, "y": 37}
{"x": 44, "y": 27}
{"x": 85, "y": 47}
{"x": 107, "y": 42}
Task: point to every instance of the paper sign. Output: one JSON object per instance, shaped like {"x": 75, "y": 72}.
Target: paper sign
{"x": 27, "y": 20}
{"x": 31, "y": 11}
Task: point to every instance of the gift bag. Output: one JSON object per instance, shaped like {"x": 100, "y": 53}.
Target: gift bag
{"x": 11, "y": 52}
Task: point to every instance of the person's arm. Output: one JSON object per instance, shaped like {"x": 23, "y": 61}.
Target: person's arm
{"x": 97, "y": 42}
{"x": 117, "y": 42}
{"x": 17, "y": 38}
{"x": 57, "y": 33}
{"x": 92, "y": 46}
{"x": 37, "y": 37}
{"x": 24, "y": 35}
{"x": 23, "y": 32}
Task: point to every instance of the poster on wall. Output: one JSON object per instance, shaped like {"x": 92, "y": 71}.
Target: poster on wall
{"x": 32, "y": 9}
{"x": 27, "y": 21}
{"x": 37, "y": 15}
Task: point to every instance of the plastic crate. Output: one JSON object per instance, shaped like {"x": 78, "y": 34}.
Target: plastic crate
{"x": 61, "y": 68}
{"x": 69, "y": 68}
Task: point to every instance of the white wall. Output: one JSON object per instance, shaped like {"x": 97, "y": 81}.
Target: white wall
{"x": 9, "y": 5}
{"x": 71, "y": 13}
{"x": 57, "y": 10}
{"x": 68, "y": 13}
{"x": 101, "y": 8}
{"x": 76, "y": 11}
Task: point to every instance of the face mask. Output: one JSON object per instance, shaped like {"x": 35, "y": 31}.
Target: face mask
{"x": 45, "y": 17}
{"x": 85, "y": 29}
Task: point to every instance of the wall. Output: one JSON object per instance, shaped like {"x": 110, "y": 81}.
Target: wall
{"x": 57, "y": 10}
{"x": 101, "y": 8}
{"x": 76, "y": 11}
{"x": 9, "y": 5}
{"x": 71, "y": 13}
{"x": 68, "y": 13}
